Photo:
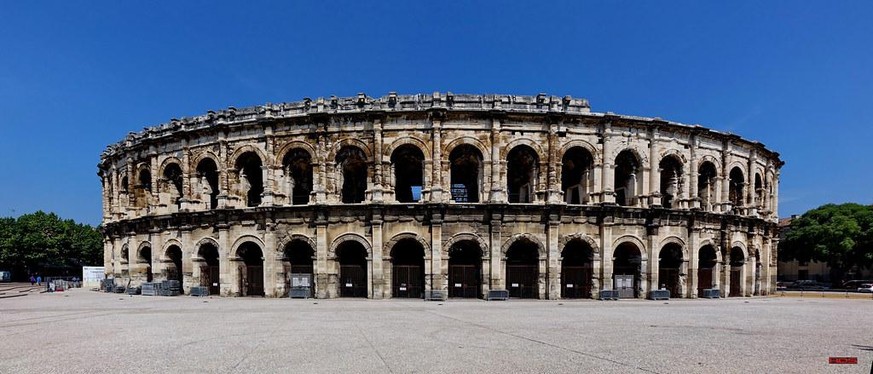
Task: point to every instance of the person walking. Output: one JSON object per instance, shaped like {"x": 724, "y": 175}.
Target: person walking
{"x": 32, "y": 280}
{"x": 39, "y": 280}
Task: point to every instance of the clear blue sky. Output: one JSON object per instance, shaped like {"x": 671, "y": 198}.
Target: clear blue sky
{"x": 77, "y": 76}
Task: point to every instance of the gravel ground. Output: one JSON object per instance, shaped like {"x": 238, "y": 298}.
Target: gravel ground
{"x": 83, "y": 331}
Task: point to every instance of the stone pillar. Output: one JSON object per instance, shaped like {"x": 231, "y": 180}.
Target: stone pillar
{"x": 436, "y": 184}
{"x": 497, "y": 190}
{"x": 693, "y": 261}
{"x": 229, "y": 274}
{"x": 497, "y": 281}
{"x": 654, "y": 268}
{"x": 189, "y": 251}
{"x": 377, "y": 284}
{"x": 654, "y": 170}
{"x": 274, "y": 272}
{"x": 725, "y": 181}
{"x": 607, "y": 257}
{"x": 439, "y": 268}
{"x": 554, "y": 257}
{"x": 378, "y": 186}
{"x": 606, "y": 188}
{"x": 553, "y": 185}
{"x": 325, "y": 278}
{"x": 693, "y": 173}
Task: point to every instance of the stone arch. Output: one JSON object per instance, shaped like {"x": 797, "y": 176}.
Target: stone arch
{"x": 239, "y": 151}
{"x": 471, "y": 141}
{"x": 408, "y": 140}
{"x": 288, "y": 238}
{"x": 564, "y": 239}
{"x": 142, "y": 246}
{"x": 541, "y": 249}
{"x": 465, "y": 237}
{"x": 124, "y": 254}
{"x": 644, "y": 253}
{"x": 169, "y": 243}
{"x": 678, "y": 241}
{"x": 242, "y": 239}
{"x": 739, "y": 165}
{"x": 742, "y": 247}
{"x": 202, "y": 242}
{"x": 537, "y": 148}
{"x": 595, "y": 154}
{"x": 673, "y": 152}
{"x": 386, "y": 249}
{"x": 203, "y": 155}
{"x": 640, "y": 156}
{"x": 711, "y": 159}
{"x": 710, "y": 242}
{"x": 339, "y": 144}
{"x": 291, "y": 145}
{"x": 349, "y": 236}
{"x": 172, "y": 160}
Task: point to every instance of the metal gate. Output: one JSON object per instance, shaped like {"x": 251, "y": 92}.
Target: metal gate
{"x": 209, "y": 277}
{"x": 669, "y": 278}
{"x": 735, "y": 283}
{"x": 464, "y": 281}
{"x": 625, "y": 286}
{"x": 408, "y": 281}
{"x": 704, "y": 280}
{"x": 576, "y": 282}
{"x": 522, "y": 281}
{"x": 353, "y": 281}
{"x": 254, "y": 281}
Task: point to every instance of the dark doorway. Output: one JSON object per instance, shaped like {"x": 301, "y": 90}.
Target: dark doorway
{"x": 576, "y": 177}
{"x": 250, "y": 178}
{"x": 252, "y": 274}
{"x": 407, "y": 261}
{"x": 576, "y": 270}
{"x": 353, "y": 269}
{"x": 299, "y": 257}
{"x": 522, "y": 165}
{"x": 625, "y": 181}
{"x": 669, "y": 268}
{"x": 706, "y": 185}
{"x": 465, "y": 269}
{"x": 671, "y": 181}
{"x": 207, "y": 173}
{"x": 736, "y": 186}
{"x": 297, "y": 165}
{"x": 145, "y": 257}
{"x": 352, "y": 164}
{"x": 706, "y": 260}
{"x": 737, "y": 262}
{"x": 174, "y": 270}
{"x": 173, "y": 183}
{"x": 522, "y": 269}
{"x": 210, "y": 270}
{"x": 626, "y": 270}
{"x": 466, "y": 169}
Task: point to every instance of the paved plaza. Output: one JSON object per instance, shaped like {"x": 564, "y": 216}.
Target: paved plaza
{"x": 83, "y": 331}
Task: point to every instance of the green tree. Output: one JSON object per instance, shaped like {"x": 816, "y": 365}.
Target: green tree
{"x": 839, "y": 235}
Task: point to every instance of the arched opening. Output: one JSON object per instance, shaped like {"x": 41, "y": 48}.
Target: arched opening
{"x": 252, "y": 271}
{"x": 735, "y": 187}
{"x": 466, "y": 173}
{"x": 407, "y": 268}
{"x": 522, "y": 164}
{"x": 706, "y": 261}
{"x": 576, "y": 175}
{"x": 627, "y": 274}
{"x": 124, "y": 255}
{"x": 670, "y": 269}
{"x": 706, "y": 185}
{"x": 143, "y": 189}
{"x": 759, "y": 191}
{"x": 207, "y": 182}
{"x": 174, "y": 266}
{"x": 671, "y": 181}
{"x": 353, "y": 269}
{"x": 737, "y": 262}
{"x": 172, "y": 179}
{"x": 577, "y": 270}
{"x": 250, "y": 178}
{"x": 299, "y": 260}
{"x": 145, "y": 257}
{"x": 627, "y": 166}
{"x": 352, "y": 173}
{"x": 210, "y": 269}
{"x": 407, "y": 163}
{"x": 124, "y": 185}
{"x": 297, "y": 166}
{"x": 465, "y": 269}
{"x": 522, "y": 269}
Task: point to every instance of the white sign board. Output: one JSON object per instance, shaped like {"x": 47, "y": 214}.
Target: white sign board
{"x": 92, "y": 275}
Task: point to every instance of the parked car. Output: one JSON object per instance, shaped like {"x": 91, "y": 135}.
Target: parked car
{"x": 782, "y": 286}
{"x": 5, "y": 276}
{"x": 807, "y": 284}
{"x": 866, "y": 287}
{"x": 854, "y": 284}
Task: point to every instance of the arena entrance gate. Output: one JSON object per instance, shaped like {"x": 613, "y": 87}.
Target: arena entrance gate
{"x": 465, "y": 269}
{"x": 252, "y": 274}
{"x": 576, "y": 270}
{"x": 353, "y": 269}
{"x": 407, "y": 260}
{"x": 705, "y": 268}
{"x": 626, "y": 273}
{"x": 299, "y": 255}
{"x": 522, "y": 270}
{"x": 210, "y": 271}
{"x": 737, "y": 262}
{"x": 669, "y": 267}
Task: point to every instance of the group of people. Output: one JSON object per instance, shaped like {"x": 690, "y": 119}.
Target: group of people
{"x": 36, "y": 280}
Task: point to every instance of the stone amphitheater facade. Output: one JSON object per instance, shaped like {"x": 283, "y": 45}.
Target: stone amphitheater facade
{"x": 440, "y": 194}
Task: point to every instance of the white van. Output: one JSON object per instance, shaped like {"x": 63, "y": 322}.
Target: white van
{"x": 5, "y": 276}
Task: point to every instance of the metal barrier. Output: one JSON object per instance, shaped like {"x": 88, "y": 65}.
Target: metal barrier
{"x": 711, "y": 293}
{"x": 609, "y": 295}
{"x": 200, "y": 291}
{"x": 659, "y": 295}
{"x": 435, "y": 295}
{"x": 498, "y": 295}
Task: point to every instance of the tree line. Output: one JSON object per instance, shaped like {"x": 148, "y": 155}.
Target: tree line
{"x": 43, "y": 243}
{"x": 839, "y": 235}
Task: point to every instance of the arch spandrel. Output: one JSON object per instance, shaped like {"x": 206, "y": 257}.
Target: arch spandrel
{"x": 349, "y": 236}
{"x": 245, "y": 148}
{"x": 389, "y": 245}
{"x": 563, "y": 240}
{"x": 644, "y": 253}
{"x": 353, "y": 142}
{"x": 596, "y": 155}
{"x": 242, "y": 239}
{"x": 286, "y": 239}
{"x": 483, "y": 246}
{"x": 536, "y": 147}
{"x": 408, "y": 140}
{"x": 290, "y": 146}
{"x": 467, "y": 140}
{"x": 172, "y": 160}
{"x": 541, "y": 249}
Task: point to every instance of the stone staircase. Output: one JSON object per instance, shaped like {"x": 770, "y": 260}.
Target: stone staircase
{"x": 8, "y": 290}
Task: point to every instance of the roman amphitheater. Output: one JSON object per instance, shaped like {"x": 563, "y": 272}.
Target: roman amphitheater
{"x": 440, "y": 195}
